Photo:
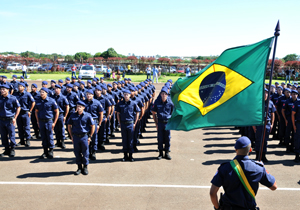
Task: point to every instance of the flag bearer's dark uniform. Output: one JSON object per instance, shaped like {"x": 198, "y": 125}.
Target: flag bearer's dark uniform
{"x": 46, "y": 110}
{"x": 236, "y": 196}
{"x": 127, "y": 112}
{"x": 163, "y": 110}
{"x": 9, "y": 109}
{"x": 36, "y": 95}
{"x": 296, "y": 117}
{"x": 81, "y": 128}
{"x": 23, "y": 121}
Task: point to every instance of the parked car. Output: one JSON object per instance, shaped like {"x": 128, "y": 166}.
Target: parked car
{"x": 33, "y": 66}
{"x": 87, "y": 71}
{"x": 45, "y": 67}
{"x": 180, "y": 70}
{"x": 14, "y": 66}
{"x": 173, "y": 69}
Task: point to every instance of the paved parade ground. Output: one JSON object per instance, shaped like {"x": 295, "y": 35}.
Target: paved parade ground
{"x": 26, "y": 182}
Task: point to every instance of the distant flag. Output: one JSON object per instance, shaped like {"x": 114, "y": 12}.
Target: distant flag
{"x": 228, "y": 92}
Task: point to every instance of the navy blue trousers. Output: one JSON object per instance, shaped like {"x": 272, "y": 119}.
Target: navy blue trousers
{"x": 297, "y": 138}
{"x": 258, "y": 137}
{"x": 81, "y": 149}
{"x": 7, "y": 130}
{"x": 102, "y": 132}
{"x": 94, "y": 139}
{"x": 282, "y": 126}
{"x": 288, "y": 130}
{"x": 23, "y": 123}
{"x": 34, "y": 124}
{"x": 136, "y": 133}
{"x": 127, "y": 137}
{"x": 112, "y": 123}
{"x": 46, "y": 134}
{"x": 163, "y": 137}
{"x": 60, "y": 128}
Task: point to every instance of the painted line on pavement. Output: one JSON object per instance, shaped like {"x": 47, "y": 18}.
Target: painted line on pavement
{"x": 126, "y": 185}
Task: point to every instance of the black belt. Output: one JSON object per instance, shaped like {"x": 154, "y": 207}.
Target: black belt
{"x": 24, "y": 111}
{"x": 6, "y": 118}
{"x": 80, "y": 135}
{"x": 45, "y": 120}
{"x": 127, "y": 122}
{"x": 163, "y": 121}
{"x": 96, "y": 119}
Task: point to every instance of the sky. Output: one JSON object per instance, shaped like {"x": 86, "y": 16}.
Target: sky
{"x": 146, "y": 28}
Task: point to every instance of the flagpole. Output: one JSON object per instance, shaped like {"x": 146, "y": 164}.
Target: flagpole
{"x": 276, "y": 34}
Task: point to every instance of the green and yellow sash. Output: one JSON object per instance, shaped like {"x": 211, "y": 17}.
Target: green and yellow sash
{"x": 239, "y": 171}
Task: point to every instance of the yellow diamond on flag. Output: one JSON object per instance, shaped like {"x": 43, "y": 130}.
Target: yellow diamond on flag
{"x": 214, "y": 87}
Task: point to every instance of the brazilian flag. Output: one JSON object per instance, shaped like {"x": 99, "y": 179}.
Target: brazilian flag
{"x": 228, "y": 92}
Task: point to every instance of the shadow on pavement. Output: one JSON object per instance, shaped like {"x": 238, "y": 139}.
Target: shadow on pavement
{"x": 55, "y": 159}
{"x": 219, "y": 138}
{"x": 45, "y": 174}
{"x": 214, "y": 162}
{"x": 219, "y": 145}
{"x": 220, "y": 133}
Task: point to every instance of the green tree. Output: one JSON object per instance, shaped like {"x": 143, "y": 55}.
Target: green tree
{"x": 69, "y": 58}
{"x": 98, "y": 54}
{"x": 110, "y": 52}
{"x": 83, "y": 55}
{"x": 200, "y": 57}
{"x": 291, "y": 57}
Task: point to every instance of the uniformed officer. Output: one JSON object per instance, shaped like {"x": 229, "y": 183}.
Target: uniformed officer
{"x": 82, "y": 89}
{"x": 23, "y": 81}
{"x": 67, "y": 81}
{"x": 259, "y": 130}
{"x": 286, "y": 113}
{"x": 27, "y": 104}
{"x": 162, "y": 111}
{"x": 274, "y": 98}
{"x": 63, "y": 108}
{"x": 52, "y": 88}
{"x": 228, "y": 175}
{"x": 5, "y": 82}
{"x": 72, "y": 99}
{"x": 15, "y": 83}
{"x": 140, "y": 104}
{"x": 128, "y": 115}
{"x": 145, "y": 100}
{"x": 63, "y": 88}
{"x": 95, "y": 108}
{"x": 36, "y": 95}
{"x": 79, "y": 78}
{"x": 76, "y": 90}
{"x": 296, "y": 126}
{"x": 112, "y": 110}
{"x": 115, "y": 97}
{"x": 9, "y": 111}
{"x": 73, "y": 80}
{"x": 89, "y": 85}
{"x": 47, "y": 114}
{"x": 94, "y": 83}
{"x": 81, "y": 127}
{"x": 106, "y": 111}
{"x": 279, "y": 104}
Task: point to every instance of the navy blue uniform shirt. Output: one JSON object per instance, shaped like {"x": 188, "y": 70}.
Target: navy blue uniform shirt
{"x": 287, "y": 106}
{"x": 235, "y": 192}
{"x": 163, "y": 109}
{"x": 80, "y": 123}
{"x": 25, "y": 99}
{"x": 72, "y": 98}
{"x": 46, "y": 108}
{"x": 272, "y": 109}
{"x": 110, "y": 98}
{"x": 279, "y": 103}
{"x": 8, "y": 106}
{"x": 61, "y": 102}
{"x": 296, "y": 108}
{"x": 93, "y": 107}
{"x": 127, "y": 110}
{"x": 105, "y": 103}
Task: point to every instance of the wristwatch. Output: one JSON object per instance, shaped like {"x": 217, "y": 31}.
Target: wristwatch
{"x": 217, "y": 208}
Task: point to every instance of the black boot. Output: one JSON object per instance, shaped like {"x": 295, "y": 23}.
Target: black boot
{"x": 22, "y": 142}
{"x": 50, "y": 154}
{"x": 85, "y": 170}
{"x": 12, "y": 152}
{"x": 264, "y": 159}
{"x": 58, "y": 144}
{"x": 6, "y": 152}
{"x": 288, "y": 150}
{"x": 112, "y": 135}
{"x": 167, "y": 155}
{"x": 125, "y": 158}
{"x": 45, "y": 154}
{"x": 135, "y": 149}
{"x": 160, "y": 155}
{"x": 107, "y": 140}
{"x": 101, "y": 146}
{"x": 93, "y": 155}
{"x": 297, "y": 158}
{"x": 78, "y": 170}
{"x": 130, "y": 158}
{"x": 141, "y": 136}
{"x": 63, "y": 146}
{"x": 27, "y": 144}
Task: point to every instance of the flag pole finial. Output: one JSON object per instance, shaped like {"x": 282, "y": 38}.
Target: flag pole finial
{"x": 277, "y": 29}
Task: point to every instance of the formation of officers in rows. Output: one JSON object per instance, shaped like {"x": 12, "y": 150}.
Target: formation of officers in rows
{"x": 283, "y": 120}
{"x": 90, "y": 112}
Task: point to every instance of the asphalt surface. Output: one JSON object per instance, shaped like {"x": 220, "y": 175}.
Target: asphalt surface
{"x": 27, "y": 182}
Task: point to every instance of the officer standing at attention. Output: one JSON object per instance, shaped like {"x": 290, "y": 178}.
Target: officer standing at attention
{"x": 286, "y": 113}
{"x": 63, "y": 108}
{"x": 36, "y": 95}
{"x": 235, "y": 175}
{"x": 15, "y": 83}
{"x": 162, "y": 111}
{"x": 128, "y": 115}
{"x": 81, "y": 127}
{"x": 259, "y": 130}
{"x": 47, "y": 114}
{"x": 72, "y": 99}
{"x": 112, "y": 110}
{"x": 4, "y": 82}
{"x": 95, "y": 108}
{"x": 9, "y": 111}
{"x": 27, "y": 104}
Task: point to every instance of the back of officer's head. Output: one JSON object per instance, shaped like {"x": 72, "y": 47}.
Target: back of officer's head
{"x": 243, "y": 146}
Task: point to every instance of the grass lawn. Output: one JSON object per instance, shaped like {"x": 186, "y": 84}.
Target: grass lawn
{"x": 134, "y": 78}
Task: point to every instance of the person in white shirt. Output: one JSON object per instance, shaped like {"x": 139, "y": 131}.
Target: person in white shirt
{"x": 24, "y": 71}
{"x": 155, "y": 73}
{"x": 148, "y": 71}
